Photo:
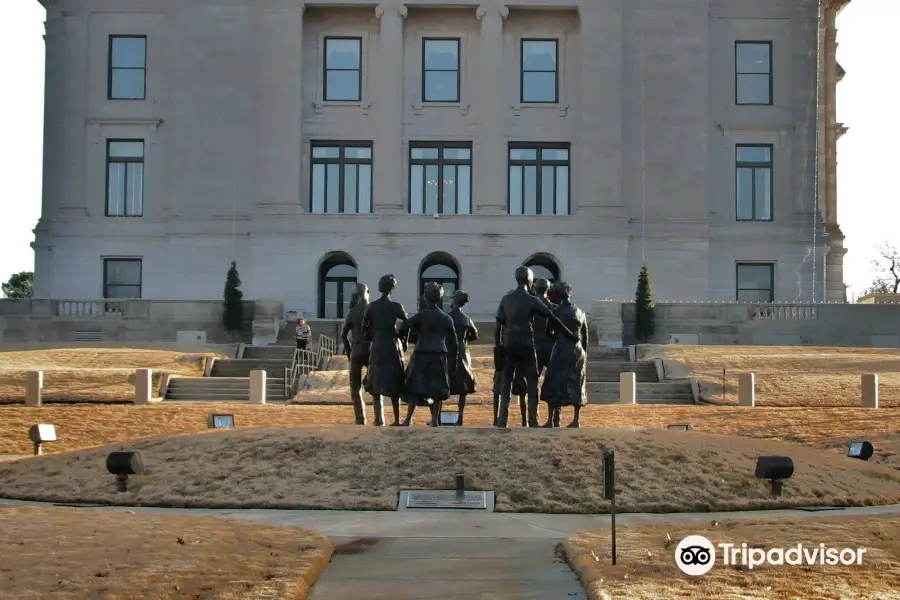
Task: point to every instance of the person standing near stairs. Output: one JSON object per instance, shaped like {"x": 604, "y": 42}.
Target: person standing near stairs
{"x": 302, "y": 334}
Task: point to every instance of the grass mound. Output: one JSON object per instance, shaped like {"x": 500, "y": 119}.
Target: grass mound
{"x": 553, "y": 471}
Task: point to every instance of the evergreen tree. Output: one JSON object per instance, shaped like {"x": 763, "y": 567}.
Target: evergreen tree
{"x": 20, "y": 285}
{"x": 233, "y": 306}
{"x": 644, "y": 323}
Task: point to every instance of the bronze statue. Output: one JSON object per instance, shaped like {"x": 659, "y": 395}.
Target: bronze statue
{"x": 386, "y": 370}
{"x": 356, "y": 347}
{"x": 428, "y": 374}
{"x": 515, "y": 335}
{"x": 519, "y": 388}
{"x": 564, "y": 383}
{"x": 543, "y": 343}
{"x": 462, "y": 380}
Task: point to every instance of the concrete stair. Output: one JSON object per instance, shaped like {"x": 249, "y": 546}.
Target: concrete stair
{"x": 608, "y": 370}
{"x": 674, "y": 392}
{"x": 241, "y": 367}
{"x": 221, "y": 389}
{"x": 277, "y": 352}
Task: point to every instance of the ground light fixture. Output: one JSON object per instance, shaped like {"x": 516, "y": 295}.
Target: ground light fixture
{"x": 460, "y": 486}
{"x": 681, "y": 427}
{"x": 216, "y": 421}
{"x": 123, "y": 464}
{"x": 776, "y": 469}
{"x": 41, "y": 434}
{"x": 861, "y": 450}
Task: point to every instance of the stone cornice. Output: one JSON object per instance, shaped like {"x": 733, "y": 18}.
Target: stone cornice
{"x": 835, "y": 5}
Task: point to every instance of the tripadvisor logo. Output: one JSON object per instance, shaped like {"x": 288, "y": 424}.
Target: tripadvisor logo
{"x": 695, "y": 555}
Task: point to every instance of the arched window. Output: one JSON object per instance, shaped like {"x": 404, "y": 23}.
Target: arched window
{"x": 441, "y": 269}
{"x": 543, "y": 267}
{"x": 337, "y": 278}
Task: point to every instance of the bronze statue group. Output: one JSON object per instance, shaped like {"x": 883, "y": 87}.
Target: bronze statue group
{"x": 535, "y": 332}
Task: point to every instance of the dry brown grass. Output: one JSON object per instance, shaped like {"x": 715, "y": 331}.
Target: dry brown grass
{"x": 646, "y": 567}
{"x": 790, "y": 376}
{"x": 87, "y": 426}
{"x": 91, "y": 374}
{"x": 73, "y": 554}
{"x": 530, "y": 470}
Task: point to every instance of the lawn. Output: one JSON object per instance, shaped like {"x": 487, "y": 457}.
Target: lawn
{"x": 787, "y": 376}
{"x": 556, "y": 471}
{"x": 71, "y": 553}
{"x": 646, "y": 568}
{"x": 91, "y": 374}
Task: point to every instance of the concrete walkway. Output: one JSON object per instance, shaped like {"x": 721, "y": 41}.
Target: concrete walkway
{"x": 447, "y": 554}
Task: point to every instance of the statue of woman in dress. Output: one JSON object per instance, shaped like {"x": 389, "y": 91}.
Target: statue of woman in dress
{"x": 462, "y": 380}
{"x": 428, "y": 375}
{"x": 386, "y": 370}
{"x": 564, "y": 383}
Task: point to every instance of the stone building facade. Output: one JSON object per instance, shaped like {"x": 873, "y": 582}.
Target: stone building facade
{"x": 336, "y": 141}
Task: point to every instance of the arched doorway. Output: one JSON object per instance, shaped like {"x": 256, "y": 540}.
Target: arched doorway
{"x": 543, "y": 266}
{"x": 337, "y": 278}
{"x": 440, "y": 268}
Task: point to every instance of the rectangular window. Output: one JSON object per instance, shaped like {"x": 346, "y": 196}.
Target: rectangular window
{"x": 753, "y": 181}
{"x": 342, "y": 80}
{"x": 755, "y": 282}
{"x": 341, "y": 179}
{"x": 440, "y": 70}
{"x": 540, "y": 71}
{"x": 539, "y": 179}
{"x": 753, "y": 73}
{"x": 127, "y": 79}
{"x": 122, "y": 277}
{"x": 124, "y": 178}
{"x": 440, "y": 179}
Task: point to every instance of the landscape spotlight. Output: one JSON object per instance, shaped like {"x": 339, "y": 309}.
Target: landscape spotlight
{"x": 685, "y": 427}
{"x": 861, "y": 450}
{"x": 220, "y": 421}
{"x": 123, "y": 464}
{"x": 449, "y": 418}
{"x": 40, "y": 434}
{"x": 460, "y": 486}
{"x": 776, "y": 469}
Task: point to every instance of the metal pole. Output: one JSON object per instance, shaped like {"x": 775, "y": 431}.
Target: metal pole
{"x": 613, "y": 519}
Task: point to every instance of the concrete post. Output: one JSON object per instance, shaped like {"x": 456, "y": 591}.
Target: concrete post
{"x": 627, "y": 388}
{"x": 257, "y": 387}
{"x": 143, "y": 386}
{"x": 747, "y": 389}
{"x": 34, "y": 384}
{"x": 869, "y": 386}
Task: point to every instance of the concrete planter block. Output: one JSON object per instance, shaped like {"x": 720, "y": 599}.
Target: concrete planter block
{"x": 143, "y": 386}
{"x": 747, "y": 389}
{"x": 627, "y": 388}
{"x": 257, "y": 387}
{"x": 869, "y": 386}
{"x": 34, "y": 385}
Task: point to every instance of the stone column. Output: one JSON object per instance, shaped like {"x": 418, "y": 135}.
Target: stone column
{"x": 143, "y": 386}
{"x": 627, "y": 388}
{"x": 869, "y": 385}
{"x": 747, "y": 389}
{"x": 257, "y": 387}
{"x": 280, "y": 131}
{"x": 490, "y": 176}
{"x": 600, "y": 164}
{"x": 388, "y": 107}
{"x": 34, "y": 385}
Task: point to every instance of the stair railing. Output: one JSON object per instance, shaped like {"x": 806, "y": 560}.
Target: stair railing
{"x": 303, "y": 363}
{"x": 327, "y": 348}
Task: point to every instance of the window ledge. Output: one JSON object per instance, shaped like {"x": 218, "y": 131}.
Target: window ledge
{"x": 562, "y": 107}
{"x": 123, "y": 121}
{"x": 321, "y": 105}
{"x": 419, "y": 104}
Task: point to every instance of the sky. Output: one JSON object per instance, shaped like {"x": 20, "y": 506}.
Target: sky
{"x": 868, "y": 194}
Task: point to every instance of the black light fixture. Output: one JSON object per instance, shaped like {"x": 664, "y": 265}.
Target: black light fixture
{"x": 681, "y": 427}
{"x": 216, "y": 421}
{"x": 460, "y": 486}
{"x": 861, "y": 450}
{"x": 41, "y": 434}
{"x": 123, "y": 464}
{"x": 776, "y": 469}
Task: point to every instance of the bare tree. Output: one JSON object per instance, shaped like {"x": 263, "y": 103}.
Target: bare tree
{"x": 887, "y": 268}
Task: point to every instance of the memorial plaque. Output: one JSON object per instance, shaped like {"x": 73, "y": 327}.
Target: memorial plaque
{"x": 447, "y": 499}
